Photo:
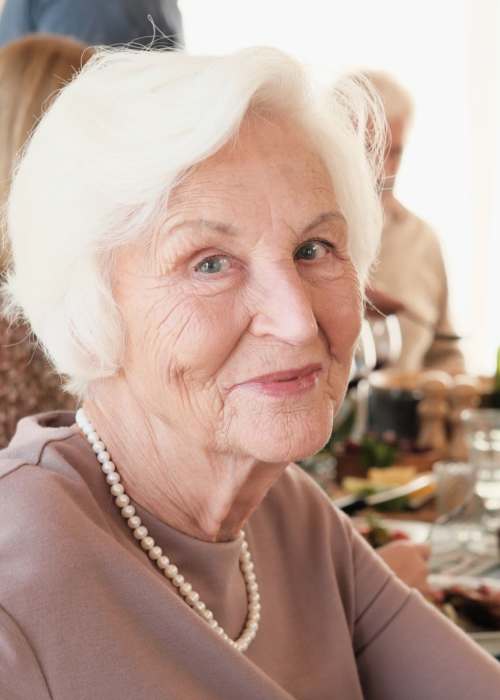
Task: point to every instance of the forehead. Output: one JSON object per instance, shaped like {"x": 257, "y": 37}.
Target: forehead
{"x": 275, "y": 162}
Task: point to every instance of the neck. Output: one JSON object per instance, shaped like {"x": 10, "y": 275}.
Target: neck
{"x": 191, "y": 487}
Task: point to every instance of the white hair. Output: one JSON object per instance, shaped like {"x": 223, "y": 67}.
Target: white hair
{"x": 101, "y": 164}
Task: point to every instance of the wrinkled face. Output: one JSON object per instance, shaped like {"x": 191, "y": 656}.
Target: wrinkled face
{"x": 241, "y": 323}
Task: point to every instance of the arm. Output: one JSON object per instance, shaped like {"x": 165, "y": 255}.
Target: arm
{"x": 21, "y": 677}
{"x": 405, "y": 648}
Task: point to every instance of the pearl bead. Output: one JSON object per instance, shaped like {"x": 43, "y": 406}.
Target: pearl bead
{"x": 171, "y": 571}
{"x": 140, "y": 532}
{"x": 186, "y": 588}
{"x": 92, "y": 437}
{"x": 108, "y": 467}
{"x": 155, "y": 552}
{"x": 128, "y": 512}
{"x": 122, "y": 501}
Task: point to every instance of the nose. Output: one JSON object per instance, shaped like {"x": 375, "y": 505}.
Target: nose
{"x": 283, "y": 308}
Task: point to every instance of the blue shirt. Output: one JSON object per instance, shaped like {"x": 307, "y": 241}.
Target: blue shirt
{"x": 94, "y": 22}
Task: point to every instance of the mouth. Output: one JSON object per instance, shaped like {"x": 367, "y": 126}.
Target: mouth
{"x": 287, "y": 382}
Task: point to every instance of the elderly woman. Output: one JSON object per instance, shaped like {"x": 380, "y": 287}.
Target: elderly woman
{"x": 191, "y": 236}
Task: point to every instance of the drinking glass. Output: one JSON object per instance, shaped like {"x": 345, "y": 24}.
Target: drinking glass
{"x": 483, "y": 437}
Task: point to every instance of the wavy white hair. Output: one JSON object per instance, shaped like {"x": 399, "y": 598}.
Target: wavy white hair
{"x": 98, "y": 170}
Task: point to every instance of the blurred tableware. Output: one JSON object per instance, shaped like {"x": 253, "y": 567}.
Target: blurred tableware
{"x": 433, "y": 410}
{"x": 463, "y": 394}
{"x": 386, "y": 332}
{"x": 365, "y": 357}
{"x": 392, "y": 403}
{"x": 354, "y": 503}
{"x": 455, "y": 483}
{"x": 483, "y": 435}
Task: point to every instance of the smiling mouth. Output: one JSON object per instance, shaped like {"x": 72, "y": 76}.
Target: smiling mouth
{"x": 286, "y": 375}
{"x": 285, "y": 383}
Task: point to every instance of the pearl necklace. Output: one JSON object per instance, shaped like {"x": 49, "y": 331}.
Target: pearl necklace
{"x": 168, "y": 569}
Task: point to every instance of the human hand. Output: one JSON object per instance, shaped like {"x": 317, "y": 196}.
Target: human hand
{"x": 409, "y": 562}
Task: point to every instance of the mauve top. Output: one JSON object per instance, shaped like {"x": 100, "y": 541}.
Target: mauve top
{"x": 85, "y": 615}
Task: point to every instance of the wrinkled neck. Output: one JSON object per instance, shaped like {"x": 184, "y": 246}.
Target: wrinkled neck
{"x": 206, "y": 494}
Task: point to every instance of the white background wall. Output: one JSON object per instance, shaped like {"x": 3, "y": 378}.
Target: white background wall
{"x": 447, "y": 53}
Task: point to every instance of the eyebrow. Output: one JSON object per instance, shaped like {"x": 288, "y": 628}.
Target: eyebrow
{"x": 229, "y": 230}
{"x": 324, "y": 218}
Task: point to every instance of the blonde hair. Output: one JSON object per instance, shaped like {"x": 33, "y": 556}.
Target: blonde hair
{"x": 32, "y": 69}
{"x": 99, "y": 168}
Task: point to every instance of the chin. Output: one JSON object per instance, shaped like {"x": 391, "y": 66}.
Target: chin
{"x": 288, "y": 437}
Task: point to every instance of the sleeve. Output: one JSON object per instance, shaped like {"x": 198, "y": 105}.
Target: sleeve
{"x": 443, "y": 354}
{"x": 21, "y": 677}
{"x": 95, "y": 22}
{"x": 15, "y": 20}
{"x": 405, "y": 648}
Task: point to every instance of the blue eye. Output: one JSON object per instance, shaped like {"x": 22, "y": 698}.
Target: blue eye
{"x": 313, "y": 250}
{"x": 213, "y": 265}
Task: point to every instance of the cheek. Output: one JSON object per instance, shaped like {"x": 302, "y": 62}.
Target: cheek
{"x": 187, "y": 339}
{"x": 339, "y": 311}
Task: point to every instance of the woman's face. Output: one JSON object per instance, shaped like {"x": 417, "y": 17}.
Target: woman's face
{"x": 249, "y": 278}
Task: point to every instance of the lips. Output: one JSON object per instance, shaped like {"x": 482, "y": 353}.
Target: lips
{"x": 288, "y": 375}
{"x": 285, "y": 384}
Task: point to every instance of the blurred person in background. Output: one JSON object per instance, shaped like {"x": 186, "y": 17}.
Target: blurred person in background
{"x": 32, "y": 70}
{"x": 155, "y": 23}
{"x": 409, "y": 276}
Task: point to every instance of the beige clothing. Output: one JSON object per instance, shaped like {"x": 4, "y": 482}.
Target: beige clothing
{"x": 411, "y": 269}
{"x": 85, "y": 615}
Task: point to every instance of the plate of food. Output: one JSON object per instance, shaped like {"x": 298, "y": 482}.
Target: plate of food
{"x": 378, "y": 531}
{"x": 391, "y": 489}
